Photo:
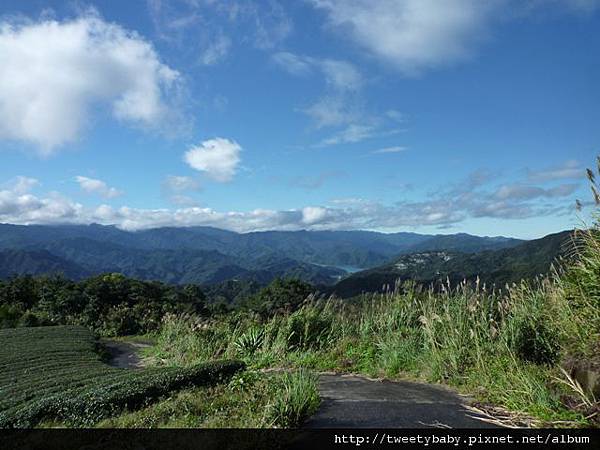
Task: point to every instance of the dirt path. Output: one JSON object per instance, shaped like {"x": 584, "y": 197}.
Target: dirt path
{"x": 356, "y": 402}
{"x": 125, "y": 355}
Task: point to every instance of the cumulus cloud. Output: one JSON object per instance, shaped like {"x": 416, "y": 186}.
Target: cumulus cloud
{"x": 417, "y": 35}
{"x": 218, "y": 158}
{"x": 21, "y": 184}
{"x": 99, "y": 187}
{"x": 476, "y": 196}
{"x": 412, "y": 35}
{"x": 53, "y": 74}
{"x": 23, "y": 208}
{"x": 313, "y": 214}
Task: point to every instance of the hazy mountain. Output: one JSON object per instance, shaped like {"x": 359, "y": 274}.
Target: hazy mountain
{"x": 209, "y": 255}
{"x": 335, "y": 248}
{"x": 37, "y": 262}
{"x": 524, "y": 261}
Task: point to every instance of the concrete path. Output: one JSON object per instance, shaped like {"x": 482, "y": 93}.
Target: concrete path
{"x": 124, "y": 355}
{"x": 349, "y": 401}
{"x": 356, "y": 402}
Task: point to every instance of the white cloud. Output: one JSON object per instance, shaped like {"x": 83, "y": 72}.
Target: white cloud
{"x": 99, "y": 187}
{"x": 216, "y": 51}
{"x": 218, "y": 157}
{"x": 362, "y": 128}
{"x": 417, "y": 35}
{"x": 341, "y": 104}
{"x": 412, "y": 35}
{"x": 183, "y": 200}
{"x": 28, "y": 209}
{"x": 263, "y": 24}
{"x": 313, "y": 214}
{"x": 333, "y": 110}
{"x": 527, "y": 192}
{"x": 473, "y": 197}
{"x": 351, "y": 134}
{"x": 181, "y": 183}
{"x": 294, "y": 64}
{"x": 339, "y": 75}
{"x": 568, "y": 170}
{"x": 395, "y": 149}
{"x": 338, "y": 106}
{"x": 53, "y": 74}
{"x": 21, "y": 184}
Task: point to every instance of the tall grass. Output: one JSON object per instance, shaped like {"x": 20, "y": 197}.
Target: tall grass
{"x": 504, "y": 343}
{"x": 297, "y": 399}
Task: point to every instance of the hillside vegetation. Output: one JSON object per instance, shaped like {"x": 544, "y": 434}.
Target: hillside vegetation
{"x": 492, "y": 267}
{"x": 56, "y": 373}
{"x": 513, "y": 345}
{"x": 506, "y": 345}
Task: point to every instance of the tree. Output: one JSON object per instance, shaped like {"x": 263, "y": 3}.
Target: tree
{"x": 281, "y": 295}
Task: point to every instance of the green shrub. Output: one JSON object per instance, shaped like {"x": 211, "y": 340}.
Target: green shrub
{"x": 308, "y": 328}
{"x": 297, "y": 399}
{"x": 536, "y": 342}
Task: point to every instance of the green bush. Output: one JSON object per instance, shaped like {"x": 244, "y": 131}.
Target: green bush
{"x": 308, "y": 328}
{"x": 535, "y": 342}
{"x": 297, "y": 399}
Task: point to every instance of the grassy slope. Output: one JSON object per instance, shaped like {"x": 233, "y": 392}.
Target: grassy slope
{"x": 504, "y": 346}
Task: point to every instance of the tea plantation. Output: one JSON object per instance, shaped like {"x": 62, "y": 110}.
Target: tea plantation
{"x": 57, "y": 373}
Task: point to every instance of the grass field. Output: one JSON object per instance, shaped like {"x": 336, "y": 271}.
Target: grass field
{"x": 57, "y": 373}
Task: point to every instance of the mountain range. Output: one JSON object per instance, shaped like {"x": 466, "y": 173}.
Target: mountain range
{"x": 523, "y": 261}
{"x": 206, "y": 255}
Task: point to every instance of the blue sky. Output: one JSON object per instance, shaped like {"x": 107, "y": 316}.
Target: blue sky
{"x": 394, "y": 115}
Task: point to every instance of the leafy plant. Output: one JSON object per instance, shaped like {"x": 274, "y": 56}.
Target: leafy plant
{"x": 297, "y": 398}
{"x": 250, "y": 341}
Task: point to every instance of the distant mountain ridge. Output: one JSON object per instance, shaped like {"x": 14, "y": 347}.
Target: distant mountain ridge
{"x": 208, "y": 255}
{"x": 523, "y": 261}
